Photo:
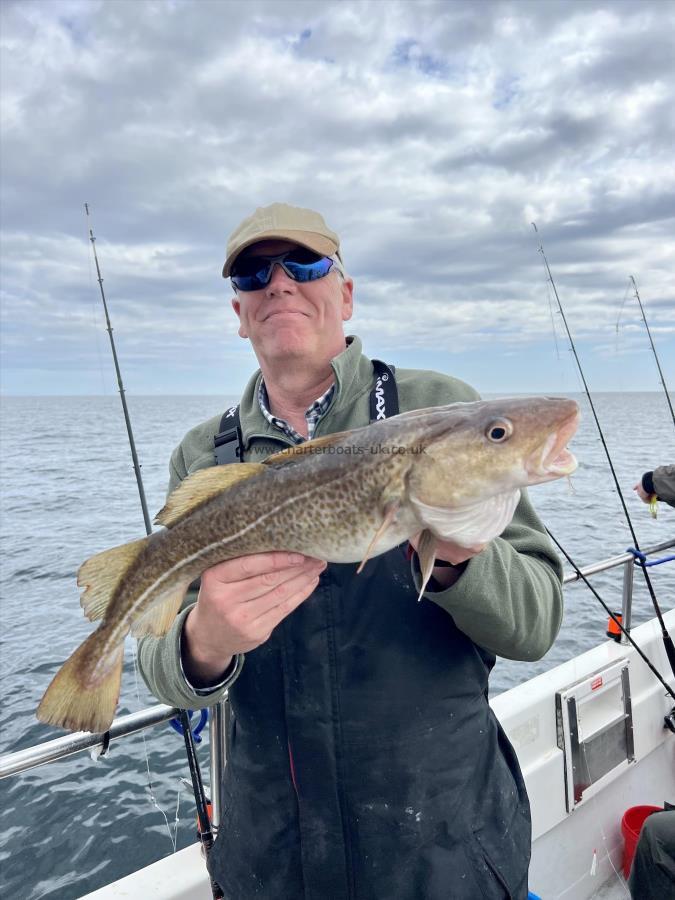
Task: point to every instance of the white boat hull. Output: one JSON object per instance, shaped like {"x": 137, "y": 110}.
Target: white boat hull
{"x": 564, "y": 843}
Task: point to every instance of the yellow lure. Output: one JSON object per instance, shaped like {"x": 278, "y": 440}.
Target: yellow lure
{"x": 653, "y": 505}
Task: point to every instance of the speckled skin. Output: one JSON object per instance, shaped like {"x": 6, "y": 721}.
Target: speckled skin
{"x": 329, "y": 503}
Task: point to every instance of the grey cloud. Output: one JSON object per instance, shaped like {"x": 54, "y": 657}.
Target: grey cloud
{"x": 173, "y": 120}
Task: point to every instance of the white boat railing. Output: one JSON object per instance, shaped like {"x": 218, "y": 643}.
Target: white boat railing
{"x": 60, "y": 748}
{"x": 627, "y": 560}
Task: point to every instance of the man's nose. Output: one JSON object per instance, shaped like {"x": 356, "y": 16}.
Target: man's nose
{"x": 280, "y": 282}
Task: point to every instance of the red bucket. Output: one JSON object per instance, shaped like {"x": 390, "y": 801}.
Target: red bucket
{"x": 632, "y": 822}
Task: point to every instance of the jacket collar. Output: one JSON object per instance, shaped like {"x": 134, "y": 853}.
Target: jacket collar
{"x": 353, "y": 374}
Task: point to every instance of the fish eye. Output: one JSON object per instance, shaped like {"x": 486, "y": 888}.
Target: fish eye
{"x": 499, "y": 431}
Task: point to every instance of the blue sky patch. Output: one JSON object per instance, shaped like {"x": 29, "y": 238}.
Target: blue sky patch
{"x": 409, "y": 52}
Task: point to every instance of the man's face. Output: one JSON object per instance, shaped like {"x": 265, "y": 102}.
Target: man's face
{"x": 288, "y": 318}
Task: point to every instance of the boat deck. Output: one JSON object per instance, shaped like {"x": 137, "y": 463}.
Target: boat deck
{"x": 182, "y": 877}
{"x": 616, "y": 889}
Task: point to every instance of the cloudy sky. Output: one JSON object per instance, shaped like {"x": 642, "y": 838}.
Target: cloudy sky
{"x": 430, "y": 135}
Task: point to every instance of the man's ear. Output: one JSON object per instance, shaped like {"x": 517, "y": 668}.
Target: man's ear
{"x": 236, "y": 306}
{"x": 347, "y": 299}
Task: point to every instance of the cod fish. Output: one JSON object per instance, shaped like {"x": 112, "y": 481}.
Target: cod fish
{"x": 446, "y": 473}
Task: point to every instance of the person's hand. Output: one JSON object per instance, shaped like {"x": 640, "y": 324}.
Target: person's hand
{"x": 450, "y": 551}
{"x": 457, "y": 554}
{"x": 240, "y": 603}
{"x": 642, "y": 493}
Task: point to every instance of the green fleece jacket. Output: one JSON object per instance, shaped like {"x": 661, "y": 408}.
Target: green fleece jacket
{"x": 508, "y": 599}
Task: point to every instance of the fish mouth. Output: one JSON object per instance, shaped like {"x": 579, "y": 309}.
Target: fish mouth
{"x": 554, "y": 459}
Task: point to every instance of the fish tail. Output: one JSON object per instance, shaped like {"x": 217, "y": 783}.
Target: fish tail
{"x": 84, "y": 692}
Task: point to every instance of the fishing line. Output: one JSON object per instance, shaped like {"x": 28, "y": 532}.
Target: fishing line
{"x": 598, "y": 815}
{"x": 176, "y": 819}
{"x": 151, "y": 792}
{"x": 618, "y": 318}
{"x": 667, "y": 640}
{"x": 550, "y": 309}
{"x": 612, "y": 616}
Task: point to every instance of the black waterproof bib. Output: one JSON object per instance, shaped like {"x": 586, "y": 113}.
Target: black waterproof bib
{"x": 365, "y": 762}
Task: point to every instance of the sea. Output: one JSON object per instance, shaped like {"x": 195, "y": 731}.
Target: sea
{"x": 68, "y": 490}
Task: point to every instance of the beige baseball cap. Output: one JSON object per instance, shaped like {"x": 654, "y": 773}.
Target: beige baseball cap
{"x": 282, "y": 222}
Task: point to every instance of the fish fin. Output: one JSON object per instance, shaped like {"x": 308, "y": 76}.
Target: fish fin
{"x": 159, "y": 618}
{"x": 300, "y": 450}
{"x": 426, "y": 552}
{"x": 75, "y": 699}
{"x": 390, "y": 511}
{"x": 203, "y": 486}
{"x": 101, "y": 573}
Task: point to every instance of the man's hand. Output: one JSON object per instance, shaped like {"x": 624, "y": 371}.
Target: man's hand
{"x": 642, "y": 493}
{"x": 240, "y": 603}
{"x": 457, "y": 554}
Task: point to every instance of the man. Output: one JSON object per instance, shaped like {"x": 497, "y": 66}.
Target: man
{"x": 652, "y": 874}
{"x": 365, "y": 761}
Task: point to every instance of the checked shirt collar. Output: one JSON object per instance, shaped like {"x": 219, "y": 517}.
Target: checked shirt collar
{"x": 313, "y": 414}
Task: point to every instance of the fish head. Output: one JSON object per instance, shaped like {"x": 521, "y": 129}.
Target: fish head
{"x": 473, "y": 451}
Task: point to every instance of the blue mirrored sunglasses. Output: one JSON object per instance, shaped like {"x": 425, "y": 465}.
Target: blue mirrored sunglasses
{"x": 253, "y": 273}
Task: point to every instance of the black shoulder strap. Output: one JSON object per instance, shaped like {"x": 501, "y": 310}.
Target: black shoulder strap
{"x": 384, "y": 395}
{"x": 228, "y": 443}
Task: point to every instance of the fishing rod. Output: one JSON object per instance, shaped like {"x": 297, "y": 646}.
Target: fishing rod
{"x": 667, "y": 640}
{"x": 205, "y": 832}
{"x": 130, "y": 434}
{"x": 656, "y": 356}
{"x": 613, "y": 616}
